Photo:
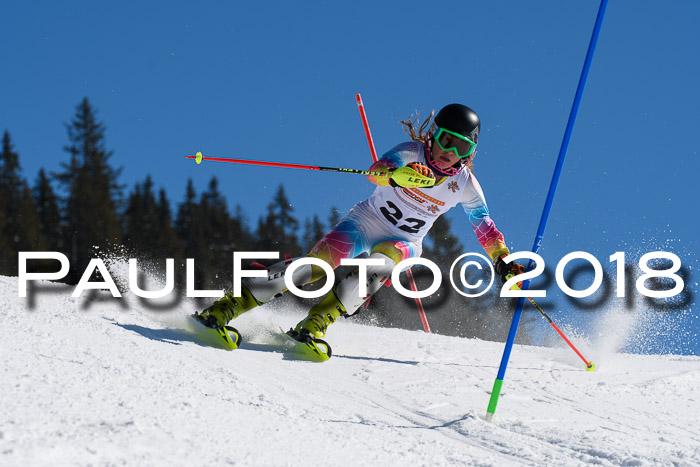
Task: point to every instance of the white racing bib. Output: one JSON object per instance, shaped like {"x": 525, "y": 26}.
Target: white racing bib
{"x": 410, "y": 212}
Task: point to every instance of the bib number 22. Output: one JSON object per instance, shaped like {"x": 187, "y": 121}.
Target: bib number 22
{"x": 394, "y": 215}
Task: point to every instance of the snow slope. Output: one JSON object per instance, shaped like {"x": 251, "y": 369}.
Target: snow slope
{"x": 115, "y": 383}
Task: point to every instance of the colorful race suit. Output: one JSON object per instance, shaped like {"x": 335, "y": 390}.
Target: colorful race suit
{"x": 404, "y": 215}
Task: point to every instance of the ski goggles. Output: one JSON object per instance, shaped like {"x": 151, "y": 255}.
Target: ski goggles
{"x": 451, "y": 141}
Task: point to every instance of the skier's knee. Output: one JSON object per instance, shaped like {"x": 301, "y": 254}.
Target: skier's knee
{"x": 352, "y": 294}
{"x": 396, "y": 250}
{"x": 316, "y": 271}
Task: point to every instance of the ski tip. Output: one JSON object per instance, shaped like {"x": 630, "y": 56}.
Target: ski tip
{"x": 234, "y": 337}
{"x": 323, "y": 354}
{"x": 316, "y": 350}
{"x": 226, "y": 337}
{"x": 198, "y": 157}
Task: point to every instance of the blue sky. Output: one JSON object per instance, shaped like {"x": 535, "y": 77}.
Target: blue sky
{"x": 276, "y": 81}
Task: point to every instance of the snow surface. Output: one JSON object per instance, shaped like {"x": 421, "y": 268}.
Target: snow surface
{"x": 114, "y": 383}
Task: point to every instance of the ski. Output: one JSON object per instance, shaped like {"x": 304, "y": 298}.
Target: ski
{"x": 226, "y": 337}
{"x": 315, "y": 350}
{"x": 229, "y": 338}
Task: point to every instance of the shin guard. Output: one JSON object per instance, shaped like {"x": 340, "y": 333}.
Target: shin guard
{"x": 349, "y": 288}
{"x": 266, "y": 288}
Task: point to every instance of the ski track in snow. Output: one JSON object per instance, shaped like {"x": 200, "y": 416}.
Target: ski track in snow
{"x": 118, "y": 384}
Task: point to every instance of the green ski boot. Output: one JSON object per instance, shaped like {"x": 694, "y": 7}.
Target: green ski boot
{"x": 227, "y": 308}
{"x": 319, "y": 318}
{"x": 214, "y": 319}
{"x": 309, "y": 331}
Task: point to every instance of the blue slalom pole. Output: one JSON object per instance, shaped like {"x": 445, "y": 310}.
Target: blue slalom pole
{"x": 495, "y": 393}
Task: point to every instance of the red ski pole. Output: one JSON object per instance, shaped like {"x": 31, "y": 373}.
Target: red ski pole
{"x": 590, "y": 366}
{"x": 199, "y": 158}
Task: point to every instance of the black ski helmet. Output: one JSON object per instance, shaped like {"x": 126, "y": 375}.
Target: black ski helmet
{"x": 459, "y": 119}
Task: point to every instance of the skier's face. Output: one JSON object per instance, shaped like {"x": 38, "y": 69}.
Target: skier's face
{"x": 449, "y": 158}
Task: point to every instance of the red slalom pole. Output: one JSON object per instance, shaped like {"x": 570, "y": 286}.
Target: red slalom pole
{"x": 419, "y": 304}
{"x": 365, "y": 123}
{"x": 409, "y": 274}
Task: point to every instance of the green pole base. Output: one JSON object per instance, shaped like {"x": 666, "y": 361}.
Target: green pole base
{"x": 493, "y": 402}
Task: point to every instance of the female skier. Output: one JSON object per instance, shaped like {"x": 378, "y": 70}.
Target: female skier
{"x": 389, "y": 225}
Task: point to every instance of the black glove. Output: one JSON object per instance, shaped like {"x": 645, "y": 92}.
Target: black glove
{"x": 503, "y": 269}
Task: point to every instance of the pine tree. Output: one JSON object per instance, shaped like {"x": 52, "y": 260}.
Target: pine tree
{"x": 10, "y": 183}
{"x": 141, "y": 225}
{"x": 186, "y": 223}
{"x": 307, "y": 238}
{"x": 313, "y": 232}
{"x": 148, "y": 228}
{"x": 21, "y": 230}
{"x": 241, "y": 232}
{"x": 334, "y": 217}
{"x": 287, "y": 221}
{"x": 9, "y": 161}
{"x": 30, "y": 235}
{"x": 210, "y": 235}
{"x": 268, "y": 232}
{"x": 4, "y": 240}
{"x": 8, "y": 201}
{"x": 277, "y": 232}
{"x": 131, "y": 218}
{"x": 167, "y": 239}
{"x": 93, "y": 193}
{"x": 191, "y": 233}
{"x": 48, "y": 212}
{"x": 220, "y": 240}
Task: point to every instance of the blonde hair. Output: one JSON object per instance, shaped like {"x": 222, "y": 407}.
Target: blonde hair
{"x": 413, "y": 121}
{"x": 409, "y": 126}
